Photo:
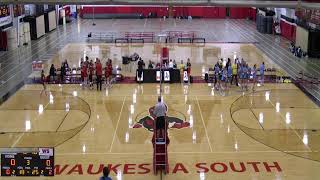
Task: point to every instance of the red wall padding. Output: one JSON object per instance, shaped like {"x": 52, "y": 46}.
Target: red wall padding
{"x": 288, "y": 30}
{"x": 161, "y": 11}
{"x": 3, "y": 40}
{"x": 252, "y": 14}
{"x": 204, "y": 12}
{"x": 239, "y": 12}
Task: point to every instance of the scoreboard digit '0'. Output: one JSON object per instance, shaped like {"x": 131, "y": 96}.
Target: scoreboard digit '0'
{"x": 22, "y": 162}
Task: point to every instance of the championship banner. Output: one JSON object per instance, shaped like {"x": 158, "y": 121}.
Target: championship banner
{"x": 5, "y": 17}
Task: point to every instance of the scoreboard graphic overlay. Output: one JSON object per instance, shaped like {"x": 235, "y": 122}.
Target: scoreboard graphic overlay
{"x": 27, "y": 162}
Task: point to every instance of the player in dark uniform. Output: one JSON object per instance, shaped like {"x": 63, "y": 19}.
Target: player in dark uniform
{"x": 91, "y": 70}
{"x": 43, "y": 82}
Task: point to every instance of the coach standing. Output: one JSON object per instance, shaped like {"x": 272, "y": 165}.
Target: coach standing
{"x": 99, "y": 74}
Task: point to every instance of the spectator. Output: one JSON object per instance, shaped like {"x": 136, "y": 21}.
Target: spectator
{"x": 81, "y": 62}
{"x": 174, "y": 64}
{"x": 158, "y": 66}
{"x": 170, "y": 64}
{"x": 66, "y": 65}
{"x": 62, "y": 72}
{"x": 150, "y": 66}
{"x": 106, "y": 173}
{"x": 52, "y": 73}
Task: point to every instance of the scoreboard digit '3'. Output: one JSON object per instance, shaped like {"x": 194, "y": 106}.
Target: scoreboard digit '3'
{"x": 27, "y": 162}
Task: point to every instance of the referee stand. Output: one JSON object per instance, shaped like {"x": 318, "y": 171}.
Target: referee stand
{"x": 160, "y": 141}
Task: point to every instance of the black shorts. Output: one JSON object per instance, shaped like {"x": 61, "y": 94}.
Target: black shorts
{"x": 140, "y": 73}
{"x": 90, "y": 78}
{"x": 160, "y": 122}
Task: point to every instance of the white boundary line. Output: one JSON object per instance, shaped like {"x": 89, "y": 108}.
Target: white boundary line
{"x": 204, "y": 126}
{"x": 115, "y": 131}
{"x": 19, "y": 138}
{"x": 294, "y": 130}
{"x": 143, "y": 153}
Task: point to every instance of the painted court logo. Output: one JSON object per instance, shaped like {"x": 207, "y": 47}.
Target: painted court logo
{"x": 149, "y": 120}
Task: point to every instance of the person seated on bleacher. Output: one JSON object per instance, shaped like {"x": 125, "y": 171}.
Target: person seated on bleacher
{"x": 66, "y": 65}
{"x": 299, "y": 52}
{"x": 174, "y": 64}
{"x": 81, "y": 62}
{"x": 170, "y": 64}
{"x": 150, "y": 66}
{"x": 62, "y": 72}
{"x": 158, "y": 66}
{"x": 181, "y": 67}
{"x": 135, "y": 56}
{"x": 292, "y": 47}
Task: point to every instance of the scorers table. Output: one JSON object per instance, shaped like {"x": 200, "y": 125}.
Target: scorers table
{"x": 153, "y": 76}
{"x": 27, "y": 161}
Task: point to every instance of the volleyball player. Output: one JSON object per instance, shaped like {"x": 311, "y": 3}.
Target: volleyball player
{"x": 91, "y": 70}
{"x": 254, "y": 76}
{"x": 261, "y": 70}
{"x": 84, "y": 72}
{"x": 229, "y": 74}
{"x": 224, "y": 77}
{"x": 240, "y": 73}
{"x": 217, "y": 76}
{"x": 247, "y": 76}
{"x": 108, "y": 72}
{"x": 43, "y": 82}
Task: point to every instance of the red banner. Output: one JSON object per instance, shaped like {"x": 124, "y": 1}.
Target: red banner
{"x": 5, "y": 17}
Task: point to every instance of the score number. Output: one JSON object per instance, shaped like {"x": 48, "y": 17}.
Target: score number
{"x": 27, "y": 164}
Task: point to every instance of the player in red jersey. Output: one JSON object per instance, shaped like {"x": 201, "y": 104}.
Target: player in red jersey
{"x": 108, "y": 72}
{"x": 84, "y": 72}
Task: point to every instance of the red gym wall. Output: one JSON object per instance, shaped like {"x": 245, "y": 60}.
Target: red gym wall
{"x": 195, "y": 11}
{"x": 288, "y": 30}
{"x": 161, "y": 11}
